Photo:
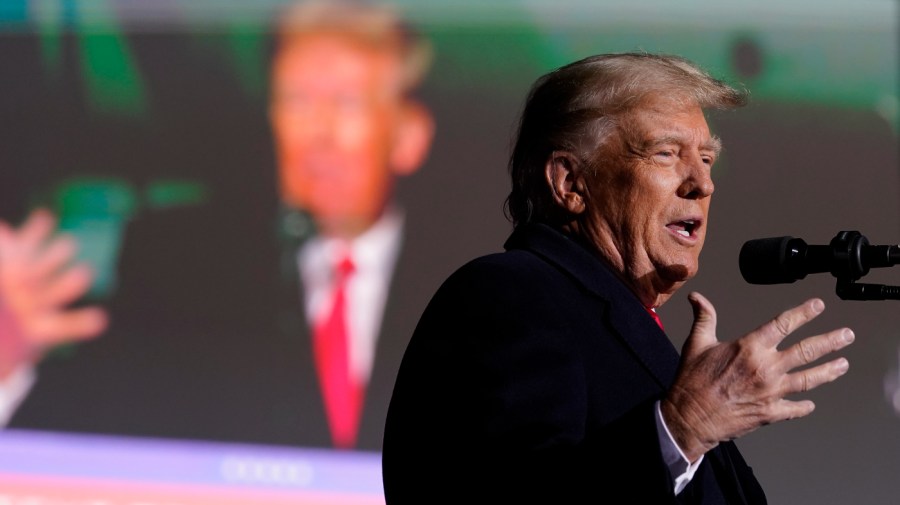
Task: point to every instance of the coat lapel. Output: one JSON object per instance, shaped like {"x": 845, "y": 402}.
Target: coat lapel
{"x": 626, "y": 316}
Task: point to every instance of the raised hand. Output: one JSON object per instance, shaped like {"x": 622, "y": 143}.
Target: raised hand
{"x": 38, "y": 281}
{"x": 724, "y": 390}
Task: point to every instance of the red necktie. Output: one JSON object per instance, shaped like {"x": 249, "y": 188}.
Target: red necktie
{"x": 655, "y": 317}
{"x": 341, "y": 392}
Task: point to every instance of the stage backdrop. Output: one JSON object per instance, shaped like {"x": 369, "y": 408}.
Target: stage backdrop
{"x": 112, "y": 112}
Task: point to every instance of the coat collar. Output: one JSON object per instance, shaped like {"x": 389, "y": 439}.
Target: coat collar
{"x": 626, "y": 315}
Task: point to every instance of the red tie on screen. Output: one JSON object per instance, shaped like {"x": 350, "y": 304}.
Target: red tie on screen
{"x": 342, "y": 393}
{"x": 655, "y": 317}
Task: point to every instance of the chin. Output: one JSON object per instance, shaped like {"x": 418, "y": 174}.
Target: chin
{"x": 677, "y": 273}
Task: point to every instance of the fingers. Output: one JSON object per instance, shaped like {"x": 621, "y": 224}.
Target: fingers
{"x": 807, "y": 351}
{"x": 39, "y": 278}
{"x": 814, "y": 377}
{"x": 727, "y": 389}
{"x": 37, "y": 268}
{"x": 810, "y": 349}
{"x": 34, "y": 302}
{"x": 704, "y": 312}
{"x": 74, "y": 325}
{"x": 37, "y": 228}
{"x": 703, "y": 331}
{"x": 30, "y": 240}
{"x": 34, "y": 269}
{"x": 45, "y": 277}
{"x": 59, "y": 252}
{"x": 67, "y": 287}
{"x": 787, "y": 409}
{"x": 772, "y": 333}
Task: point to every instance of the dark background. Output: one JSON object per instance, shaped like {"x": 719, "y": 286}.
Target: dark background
{"x": 106, "y": 114}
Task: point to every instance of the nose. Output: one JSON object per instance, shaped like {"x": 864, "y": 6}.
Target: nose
{"x": 697, "y": 182}
{"x": 320, "y": 122}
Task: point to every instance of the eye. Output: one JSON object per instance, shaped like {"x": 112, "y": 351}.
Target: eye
{"x": 708, "y": 159}
{"x": 665, "y": 156}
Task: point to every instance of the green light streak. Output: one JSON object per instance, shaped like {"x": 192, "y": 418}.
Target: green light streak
{"x": 113, "y": 81}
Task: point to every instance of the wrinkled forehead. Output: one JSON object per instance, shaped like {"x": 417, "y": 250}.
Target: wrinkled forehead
{"x": 663, "y": 115}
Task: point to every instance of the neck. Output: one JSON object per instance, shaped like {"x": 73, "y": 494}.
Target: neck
{"x": 649, "y": 285}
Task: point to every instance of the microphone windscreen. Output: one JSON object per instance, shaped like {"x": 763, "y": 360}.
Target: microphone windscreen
{"x": 765, "y": 261}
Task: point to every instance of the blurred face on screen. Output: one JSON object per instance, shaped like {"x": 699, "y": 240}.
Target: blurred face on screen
{"x": 343, "y": 129}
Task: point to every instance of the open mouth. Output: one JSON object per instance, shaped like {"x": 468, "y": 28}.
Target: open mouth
{"x": 685, "y": 228}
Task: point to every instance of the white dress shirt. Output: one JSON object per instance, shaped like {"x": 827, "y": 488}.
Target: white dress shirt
{"x": 13, "y": 391}
{"x": 680, "y": 468}
{"x": 374, "y": 255}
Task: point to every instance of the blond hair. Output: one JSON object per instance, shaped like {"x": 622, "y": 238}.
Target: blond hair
{"x": 378, "y": 26}
{"x": 577, "y": 107}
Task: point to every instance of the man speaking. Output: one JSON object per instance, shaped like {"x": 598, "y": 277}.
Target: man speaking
{"x": 542, "y": 374}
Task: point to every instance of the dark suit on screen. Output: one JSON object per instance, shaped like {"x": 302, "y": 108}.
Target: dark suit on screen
{"x": 209, "y": 340}
{"x": 532, "y": 378}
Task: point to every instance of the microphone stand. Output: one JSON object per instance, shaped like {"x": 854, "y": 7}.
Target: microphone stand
{"x": 849, "y": 290}
{"x": 848, "y": 246}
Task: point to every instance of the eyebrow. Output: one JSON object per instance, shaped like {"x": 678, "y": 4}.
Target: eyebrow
{"x": 714, "y": 143}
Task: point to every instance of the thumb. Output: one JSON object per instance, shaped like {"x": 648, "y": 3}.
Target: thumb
{"x": 703, "y": 331}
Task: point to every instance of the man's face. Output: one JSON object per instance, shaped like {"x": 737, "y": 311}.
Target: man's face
{"x": 649, "y": 199}
{"x": 336, "y": 109}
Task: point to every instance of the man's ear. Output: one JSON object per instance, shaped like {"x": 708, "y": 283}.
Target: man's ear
{"x": 413, "y": 139}
{"x": 564, "y": 177}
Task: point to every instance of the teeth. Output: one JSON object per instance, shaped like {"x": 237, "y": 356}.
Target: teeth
{"x": 688, "y": 221}
{"x": 684, "y": 233}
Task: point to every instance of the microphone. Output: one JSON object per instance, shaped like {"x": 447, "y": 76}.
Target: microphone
{"x": 783, "y": 260}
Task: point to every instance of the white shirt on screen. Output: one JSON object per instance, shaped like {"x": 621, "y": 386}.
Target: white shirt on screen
{"x": 13, "y": 391}
{"x": 680, "y": 468}
{"x": 374, "y": 255}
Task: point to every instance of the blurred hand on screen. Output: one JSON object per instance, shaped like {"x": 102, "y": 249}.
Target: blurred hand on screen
{"x": 39, "y": 279}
